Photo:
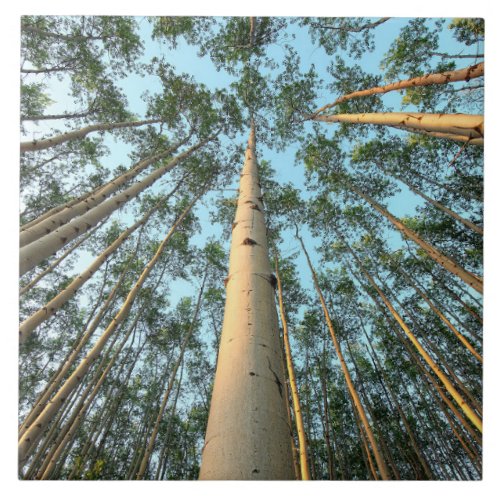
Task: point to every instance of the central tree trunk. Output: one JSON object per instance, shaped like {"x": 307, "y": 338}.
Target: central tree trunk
{"x": 248, "y": 435}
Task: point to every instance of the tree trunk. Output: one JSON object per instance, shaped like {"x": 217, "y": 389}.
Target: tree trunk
{"x": 248, "y": 436}
{"x": 304, "y": 467}
{"x": 152, "y": 439}
{"x": 79, "y": 134}
{"x": 35, "y": 252}
{"x": 42, "y": 421}
{"x": 352, "y": 391}
{"x": 27, "y": 327}
{"x": 460, "y": 125}
{"x": 458, "y": 75}
{"x": 451, "y": 266}
{"x": 94, "y": 199}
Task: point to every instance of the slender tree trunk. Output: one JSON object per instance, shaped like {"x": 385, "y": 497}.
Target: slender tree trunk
{"x": 304, "y": 467}
{"x": 352, "y": 391}
{"x": 42, "y": 421}
{"x": 27, "y": 327}
{"x": 152, "y": 439}
{"x": 79, "y": 134}
{"x": 471, "y": 415}
{"x": 49, "y": 224}
{"x": 470, "y": 127}
{"x": 35, "y": 252}
{"x": 467, "y": 277}
{"x": 56, "y": 262}
{"x": 458, "y": 75}
{"x": 248, "y": 436}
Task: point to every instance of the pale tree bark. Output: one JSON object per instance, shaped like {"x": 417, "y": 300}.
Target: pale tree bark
{"x": 32, "y": 254}
{"x": 49, "y": 224}
{"x": 463, "y": 74}
{"x": 54, "y": 264}
{"x": 469, "y": 127}
{"x": 72, "y": 356}
{"x": 471, "y": 415}
{"x": 152, "y": 439}
{"x": 27, "y": 327}
{"x": 466, "y": 276}
{"x": 75, "y": 419}
{"x": 80, "y": 133}
{"x": 304, "y": 466}
{"x": 248, "y": 436}
{"x": 39, "y": 425}
{"x": 382, "y": 467}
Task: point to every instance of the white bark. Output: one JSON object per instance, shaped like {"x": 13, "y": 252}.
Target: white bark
{"x": 248, "y": 435}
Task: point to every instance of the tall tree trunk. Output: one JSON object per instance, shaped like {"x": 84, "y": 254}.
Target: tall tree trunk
{"x": 471, "y": 415}
{"x": 152, "y": 439}
{"x": 56, "y": 262}
{"x": 27, "y": 327}
{"x": 35, "y": 252}
{"x": 469, "y": 127}
{"x": 248, "y": 436}
{"x": 458, "y": 75}
{"x": 304, "y": 467}
{"x": 382, "y": 467}
{"x": 94, "y": 199}
{"x": 79, "y": 134}
{"x": 42, "y": 421}
{"x": 467, "y": 277}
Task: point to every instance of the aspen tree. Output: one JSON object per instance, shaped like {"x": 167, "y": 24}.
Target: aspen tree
{"x": 248, "y": 436}
{"x": 457, "y": 75}
{"x": 48, "y": 224}
{"x": 467, "y": 128}
{"x": 352, "y": 390}
{"x": 304, "y": 467}
{"x": 471, "y": 415}
{"x": 79, "y": 134}
{"x": 152, "y": 439}
{"x": 32, "y": 254}
{"x": 27, "y": 327}
{"x": 34, "y": 431}
{"x": 466, "y": 276}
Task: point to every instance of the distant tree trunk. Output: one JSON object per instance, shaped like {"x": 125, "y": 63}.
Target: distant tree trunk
{"x": 79, "y": 134}
{"x": 49, "y": 224}
{"x": 458, "y": 75}
{"x": 152, "y": 439}
{"x": 32, "y": 254}
{"x": 32, "y": 434}
{"x": 471, "y": 415}
{"x": 247, "y": 435}
{"x": 352, "y": 391}
{"x": 467, "y": 277}
{"x": 304, "y": 467}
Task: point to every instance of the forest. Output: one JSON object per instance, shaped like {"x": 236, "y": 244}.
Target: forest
{"x": 251, "y": 248}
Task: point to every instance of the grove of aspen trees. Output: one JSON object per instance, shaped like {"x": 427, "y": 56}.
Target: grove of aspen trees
{"x": 251, "y": 248}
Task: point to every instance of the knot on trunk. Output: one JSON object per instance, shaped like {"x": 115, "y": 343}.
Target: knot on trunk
{"x": 249, "y": 241}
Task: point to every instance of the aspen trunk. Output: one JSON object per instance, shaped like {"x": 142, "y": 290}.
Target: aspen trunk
{"x": 248, "y": 436}
{"x": 27, "y": 327}
{"x": 352, "y": 390}
{"x": 49, "y": 224}
{"x": 304, "y": 467}
{"x": 54, "y": 264}
{"x": 458, "y": 125}
{"x": 152, "y": 439}
{"x": 35, "y": 252}
{"x": 78, "y": 134}
{"x": 471, "y": 415}
{"x": 467, "y": 277}
{"x": 42, "y": 421}
{"x": 439, "y": 206}
{"x": 458, "y": 75}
